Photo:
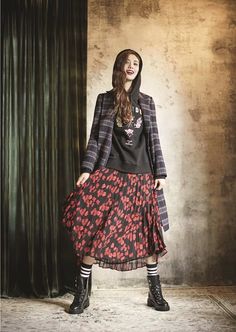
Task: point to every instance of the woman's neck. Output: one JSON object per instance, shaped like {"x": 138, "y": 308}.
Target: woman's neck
{"x": 127, "y": 85}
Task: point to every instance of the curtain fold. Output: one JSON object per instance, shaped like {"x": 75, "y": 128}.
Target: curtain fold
{"x": 43, "y": 138}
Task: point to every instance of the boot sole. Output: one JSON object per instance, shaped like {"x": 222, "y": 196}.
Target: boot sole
{"x": 157, "y": 307}
{"x": 79, "y": 311}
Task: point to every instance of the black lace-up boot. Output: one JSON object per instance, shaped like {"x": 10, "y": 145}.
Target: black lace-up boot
{"x": 155, "y": 298}
{"x": 81, "y": 299}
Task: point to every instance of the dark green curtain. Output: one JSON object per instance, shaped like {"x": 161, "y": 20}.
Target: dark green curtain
{"x": 43, "y": 138}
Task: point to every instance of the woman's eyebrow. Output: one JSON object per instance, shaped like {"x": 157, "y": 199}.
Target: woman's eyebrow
{"x": 133, "y": 60}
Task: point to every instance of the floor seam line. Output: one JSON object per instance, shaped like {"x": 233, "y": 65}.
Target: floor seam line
{"x": 223, "y": 307}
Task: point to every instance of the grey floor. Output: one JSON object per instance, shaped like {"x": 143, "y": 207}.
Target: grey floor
{"x": 192, "y": 309}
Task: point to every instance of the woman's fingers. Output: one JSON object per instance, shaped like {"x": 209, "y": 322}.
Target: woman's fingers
{"x": 159, "y": 184}
{"x": 83, "y": 177}
{"x": 80, "y": 181}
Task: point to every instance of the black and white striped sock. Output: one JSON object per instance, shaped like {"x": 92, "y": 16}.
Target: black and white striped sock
{"x": 85, "y": 270}
{"x": 151, "y": 269}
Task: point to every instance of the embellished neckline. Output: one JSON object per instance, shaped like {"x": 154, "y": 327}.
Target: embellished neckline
{"x": 135, "y": 112}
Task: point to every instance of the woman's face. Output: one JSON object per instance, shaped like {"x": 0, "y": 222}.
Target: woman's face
{"x": 131, "y": 67}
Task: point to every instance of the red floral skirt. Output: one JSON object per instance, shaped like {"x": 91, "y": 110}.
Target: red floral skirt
{"x": 114, "y": 217}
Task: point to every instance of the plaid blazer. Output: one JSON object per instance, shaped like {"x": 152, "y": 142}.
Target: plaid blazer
{"x": 100, "y": 142}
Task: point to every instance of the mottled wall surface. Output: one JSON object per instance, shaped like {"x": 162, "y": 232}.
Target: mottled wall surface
{"x": 189, "y": 54}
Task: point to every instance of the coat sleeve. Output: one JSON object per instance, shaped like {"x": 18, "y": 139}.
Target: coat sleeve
{"x": 158, "y": 163}
{"x": 91, "y": 153}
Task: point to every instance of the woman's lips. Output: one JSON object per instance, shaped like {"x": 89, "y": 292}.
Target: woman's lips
{"x": 129, "y": 72}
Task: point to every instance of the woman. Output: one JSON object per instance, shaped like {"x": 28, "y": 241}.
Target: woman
{"x": 116, "y": 212}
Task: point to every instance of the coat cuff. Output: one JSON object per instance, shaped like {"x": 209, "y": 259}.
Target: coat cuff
{"x": 85, "y": 170}
{"x": 162, "y": 176}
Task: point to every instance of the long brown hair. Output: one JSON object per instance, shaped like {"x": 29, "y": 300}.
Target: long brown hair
{"x": 123, "y": 107}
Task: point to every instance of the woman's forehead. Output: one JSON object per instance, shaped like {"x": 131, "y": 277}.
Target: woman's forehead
{"x": 132, "y": 57}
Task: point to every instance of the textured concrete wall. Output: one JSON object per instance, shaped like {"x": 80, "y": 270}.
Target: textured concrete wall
{"x": 189, "y": 53}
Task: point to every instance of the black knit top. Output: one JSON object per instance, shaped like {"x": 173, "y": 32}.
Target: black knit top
{"x": 129, "y": 149}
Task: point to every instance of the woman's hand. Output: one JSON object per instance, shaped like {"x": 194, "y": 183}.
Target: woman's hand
{"x": 83, "y": 177}
{"x": 159, "y": 183}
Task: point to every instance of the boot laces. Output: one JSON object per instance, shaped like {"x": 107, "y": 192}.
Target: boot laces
{"x": 79, "y": 295}
{"x": 80, "y": 292}
{"x": 157, "y": 293}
